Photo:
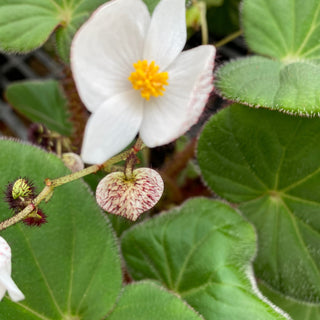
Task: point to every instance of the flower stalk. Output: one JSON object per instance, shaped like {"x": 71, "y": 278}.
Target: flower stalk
{"x": 47, "y": 191}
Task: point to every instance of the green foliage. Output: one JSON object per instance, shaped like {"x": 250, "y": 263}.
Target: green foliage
{"x": 41, "y": 101}
{"x": 269, "y": 163}
{"x": 191, "y": 251}
{"x": 70, "y": 268}
{"x": 195, "y": 261}
{"x": 286, "y": 32}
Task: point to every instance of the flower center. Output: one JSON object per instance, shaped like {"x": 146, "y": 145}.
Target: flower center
{"x": 148, "y": 80}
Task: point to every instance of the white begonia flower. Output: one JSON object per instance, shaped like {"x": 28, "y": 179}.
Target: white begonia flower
{"x": 6, "y": 282}
{"x": 131, "y": 74}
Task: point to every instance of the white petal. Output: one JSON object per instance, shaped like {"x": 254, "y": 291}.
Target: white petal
{"x": 190, "y": 83}
{"x": 5, "y": 256}
{"x": 7, "y": 283}
{"x": 104, "y": 49}
{"x": 3, "y": 290}
{"x": 167, "y": 33}
{"x": 112, "y": 127}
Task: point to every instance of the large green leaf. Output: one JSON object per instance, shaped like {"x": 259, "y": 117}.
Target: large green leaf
{"x": 27, "y": 24}
{"x": 296, "y": 309}
{"x": 68, "y": 268}
{"x": 41, "y": 101}
{"x": 288, "y": 33}
{"x": 269, "y": 163}
{"x": 146, "y": 300}
{"x": 202, "y": 251}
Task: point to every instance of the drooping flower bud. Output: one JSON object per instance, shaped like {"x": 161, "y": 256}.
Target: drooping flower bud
{"x": 130, "y": 197}
{"x": 73, "y": 161}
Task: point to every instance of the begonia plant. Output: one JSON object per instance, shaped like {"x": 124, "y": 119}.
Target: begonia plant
{"x": 168, "y": 168}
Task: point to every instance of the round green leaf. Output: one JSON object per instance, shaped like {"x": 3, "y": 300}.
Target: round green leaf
{"x": 69, "y": 268}
{"x": 146, "y": 300}
{"x": 269, "y": 163}
{"x": 41, "y": 101}
{"x": 202, "y": 251}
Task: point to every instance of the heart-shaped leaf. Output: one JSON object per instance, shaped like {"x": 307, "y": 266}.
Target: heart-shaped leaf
{"x": 290, "y": 80}
{"x": 69, "y": 268}
{"x": 43, "y": 102}
{"x": 202, "y": 251}
{"x": 269, "y": 163}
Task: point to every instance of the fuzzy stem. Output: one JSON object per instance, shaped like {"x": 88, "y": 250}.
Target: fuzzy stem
{"x": 82, "y": 173}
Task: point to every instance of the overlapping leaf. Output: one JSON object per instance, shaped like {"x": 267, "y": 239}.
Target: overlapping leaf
{"x": 269, "y": 163}
{"x": 288, "y": 33}
{"x": 203, "y": 252}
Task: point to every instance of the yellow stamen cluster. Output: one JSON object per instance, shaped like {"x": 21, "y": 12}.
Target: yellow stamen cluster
{"x": 148, "y": 80}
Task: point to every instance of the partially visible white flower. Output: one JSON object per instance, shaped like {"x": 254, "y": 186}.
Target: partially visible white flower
{"x": 131, "y": 74}
{"x": 6, "y": 282}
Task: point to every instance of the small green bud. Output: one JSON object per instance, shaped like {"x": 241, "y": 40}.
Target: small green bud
{"x": 21, "y": 189}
